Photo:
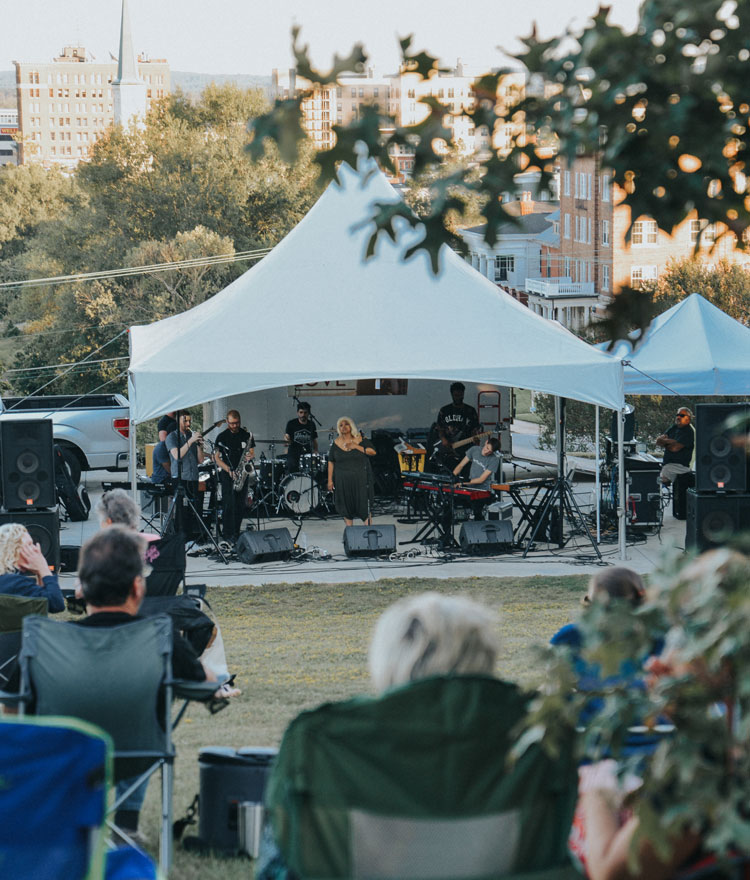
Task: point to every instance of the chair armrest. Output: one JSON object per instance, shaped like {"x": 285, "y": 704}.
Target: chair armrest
{"x": 8, "y": 697}
{"x": 195, "y": 690}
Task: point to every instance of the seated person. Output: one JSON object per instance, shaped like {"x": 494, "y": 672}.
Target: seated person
{"x": 24, "y": 570}
{"x": 116, "y": 507}
{"x": 678, "y": 443}
{"x": 415, "y": 638}
{"x": 485, "y": 464}
{"x": 161, "y": 471}
{"x": 110, "y": 571}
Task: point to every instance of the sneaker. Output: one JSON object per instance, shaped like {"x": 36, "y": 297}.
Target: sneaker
{"x": 129, "y": 837}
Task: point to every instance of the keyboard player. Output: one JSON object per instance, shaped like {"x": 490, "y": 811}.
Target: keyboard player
{"x": 485, "y": 469}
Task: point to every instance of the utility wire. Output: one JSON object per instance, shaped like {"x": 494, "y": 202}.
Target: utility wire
{"x": 69, "y": 364}
{"x": 138, "y": 270}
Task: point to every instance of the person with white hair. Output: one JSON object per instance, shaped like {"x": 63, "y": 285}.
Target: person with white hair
{"x": 24, "y": 570}
{"x": 116, "y": 507}
{"x": 432, "y": 634}
{"x": 349, "y": 473}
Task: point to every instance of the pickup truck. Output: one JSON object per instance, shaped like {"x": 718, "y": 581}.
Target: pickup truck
{"x": 92, "y": 429}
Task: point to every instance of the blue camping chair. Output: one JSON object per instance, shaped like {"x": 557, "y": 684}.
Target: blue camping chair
{"x": 55, "y": 774}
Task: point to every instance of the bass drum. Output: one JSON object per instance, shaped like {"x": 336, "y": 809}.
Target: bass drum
{"x": 299, "y": 493}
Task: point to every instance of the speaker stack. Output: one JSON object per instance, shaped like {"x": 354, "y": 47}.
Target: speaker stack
{"x": 27, "y": 482}
{"x": 718, "y": 508}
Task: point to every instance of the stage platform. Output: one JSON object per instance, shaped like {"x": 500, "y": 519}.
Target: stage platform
{"x": 325, "y": 560}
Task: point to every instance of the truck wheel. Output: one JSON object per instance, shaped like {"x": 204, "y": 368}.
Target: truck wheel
{"x": 72, "y": 463}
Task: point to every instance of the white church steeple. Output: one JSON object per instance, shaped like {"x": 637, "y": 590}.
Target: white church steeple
{"x": 128, "y": 89}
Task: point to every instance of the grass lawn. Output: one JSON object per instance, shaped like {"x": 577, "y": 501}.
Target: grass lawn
{"x": 294, "y": 646}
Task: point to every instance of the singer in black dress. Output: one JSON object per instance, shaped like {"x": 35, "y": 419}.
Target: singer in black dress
{"x": 350, "y": 474}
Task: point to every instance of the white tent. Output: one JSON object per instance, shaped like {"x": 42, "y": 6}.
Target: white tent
{"x": 315, "y": 309}
{"x": 692, "y": 349}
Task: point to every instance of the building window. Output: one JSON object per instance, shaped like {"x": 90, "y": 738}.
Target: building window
{"x": 567, "y": 266}
{"x": 605, "y": 277}
{"x": 577, "y": 228}
{"x": 644, "y": 232}
{"x": 605, "y": 187}
{"x": 504, "y": 265}
{"x": 588, "y": 186}
{"x": 575, "y": 185}
{"x": 589, "y": 229}
{"x": 641, "y": 276}
{"x": 566, "y": 225}
{"x": 605, "y": 231}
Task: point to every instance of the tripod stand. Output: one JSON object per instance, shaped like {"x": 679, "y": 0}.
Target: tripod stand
{"x": 559, "y": 498}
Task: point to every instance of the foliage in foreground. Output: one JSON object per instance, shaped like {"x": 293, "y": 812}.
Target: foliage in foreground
{"x": 699, "y": 776}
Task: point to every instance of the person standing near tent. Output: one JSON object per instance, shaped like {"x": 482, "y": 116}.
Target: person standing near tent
{"x": 235, "y": 446}
{"x": 678, "y": 443}
{"x": 456, "y": 421}
{"x": 350, "y": 474}
{"x": 186, "y": 449}
{"x": 301, "y": 436}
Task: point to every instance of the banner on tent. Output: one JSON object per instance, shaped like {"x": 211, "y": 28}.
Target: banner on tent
{"x": 352, "y": 388}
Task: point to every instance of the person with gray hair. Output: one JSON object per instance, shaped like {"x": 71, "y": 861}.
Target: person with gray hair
{"x": 116, "y": 507}
{"x": 432, "y": 634}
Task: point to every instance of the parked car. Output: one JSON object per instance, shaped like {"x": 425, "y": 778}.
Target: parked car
{"x": 91, "y": 429}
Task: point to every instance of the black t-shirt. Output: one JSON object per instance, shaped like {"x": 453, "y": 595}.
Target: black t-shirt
{"x": 166, "y": 423}
{"x": 231, "y": 447}
{"x": 682, "y": 434}
{"x": 458, "y": 421}
{"x": 301, "y": 436}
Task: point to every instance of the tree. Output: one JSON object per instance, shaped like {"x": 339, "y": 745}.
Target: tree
{"x": 665, "y": 107}
{"x": 218, "y": 106}
{"x": 725, "y": 284}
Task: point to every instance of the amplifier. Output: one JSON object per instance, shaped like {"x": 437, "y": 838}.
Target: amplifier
{"x": 713, "y": 518}
{"x": 267, "y": 546}
{"x": 643, "y": 497}
{"x": 369, "y": 540}
{"x": 482, "y": 536}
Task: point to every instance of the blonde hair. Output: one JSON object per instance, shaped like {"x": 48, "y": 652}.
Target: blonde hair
{"x": 11, "y": 541}
{"x": 356, "y": 435}
{"x": 432, "y": 634}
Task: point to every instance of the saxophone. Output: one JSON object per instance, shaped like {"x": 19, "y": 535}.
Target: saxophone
{"x": 245, "y": 470}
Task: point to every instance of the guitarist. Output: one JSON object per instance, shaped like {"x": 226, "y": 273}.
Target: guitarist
{"x": 234, "y": 446}
{"x": 456, "y": 421}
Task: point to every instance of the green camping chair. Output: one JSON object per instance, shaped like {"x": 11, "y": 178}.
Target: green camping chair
{"x": 416, "y": 784}
{"x": 118, "y": 678}
{"x": 13, "y": 609}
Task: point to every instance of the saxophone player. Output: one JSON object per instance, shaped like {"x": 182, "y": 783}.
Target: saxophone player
{"x": 234, "y": 447}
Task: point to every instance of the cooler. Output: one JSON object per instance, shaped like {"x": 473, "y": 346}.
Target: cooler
{"x": 229, "y": 777}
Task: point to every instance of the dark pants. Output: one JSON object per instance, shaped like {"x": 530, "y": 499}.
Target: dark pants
{"x": 232, "y": 508}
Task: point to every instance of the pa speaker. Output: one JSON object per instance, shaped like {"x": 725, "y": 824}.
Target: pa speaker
{"x": 720, "y": 452}
{"x": 486, "y": 536}
{"x": 44, "y": 528}
{"x": 267, "y": 546}
{"x": 27, "y": 464}
{"x": 713, "y": 518}
{"x": 369, "y": 540}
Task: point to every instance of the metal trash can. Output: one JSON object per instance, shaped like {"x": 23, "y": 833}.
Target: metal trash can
{"x": 229, "y": 777}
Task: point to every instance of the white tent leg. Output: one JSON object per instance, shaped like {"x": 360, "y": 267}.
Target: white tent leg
{"x": 596, "y": 477}
{"x": 132, "y": 463}
{"x": 621, "y": 499}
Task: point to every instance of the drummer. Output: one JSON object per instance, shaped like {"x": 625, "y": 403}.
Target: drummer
{"x": 300, "y": 436}
{"x": 234, "y": 446}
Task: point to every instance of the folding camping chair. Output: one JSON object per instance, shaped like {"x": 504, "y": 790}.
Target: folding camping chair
{"x": 167, "y": 560}
{"x": 13, "y": 609}
{"x": 416, "y": 784}
{"x": 55, "y": 775}
{"x": 120, "y": 679}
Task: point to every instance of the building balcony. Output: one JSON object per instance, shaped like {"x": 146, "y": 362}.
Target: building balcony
{"x": 553, "y": 288}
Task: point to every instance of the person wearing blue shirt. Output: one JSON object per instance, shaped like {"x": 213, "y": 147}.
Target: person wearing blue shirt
{"x": 24, "y": 570}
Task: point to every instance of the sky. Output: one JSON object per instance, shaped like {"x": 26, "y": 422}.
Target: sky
{"x": 253, "y": 36}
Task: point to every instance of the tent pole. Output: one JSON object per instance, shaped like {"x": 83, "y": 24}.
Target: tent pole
{"x": 132, "y": 462}
{"x": 596, "y": 477}
{"x": 621, "y": 499}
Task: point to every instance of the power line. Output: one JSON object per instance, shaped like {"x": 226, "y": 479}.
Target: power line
{"x": 68, "y": 364}
{"x": 138, "y": 270}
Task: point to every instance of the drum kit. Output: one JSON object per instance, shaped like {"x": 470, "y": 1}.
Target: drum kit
{"x": 277, "y": 493}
